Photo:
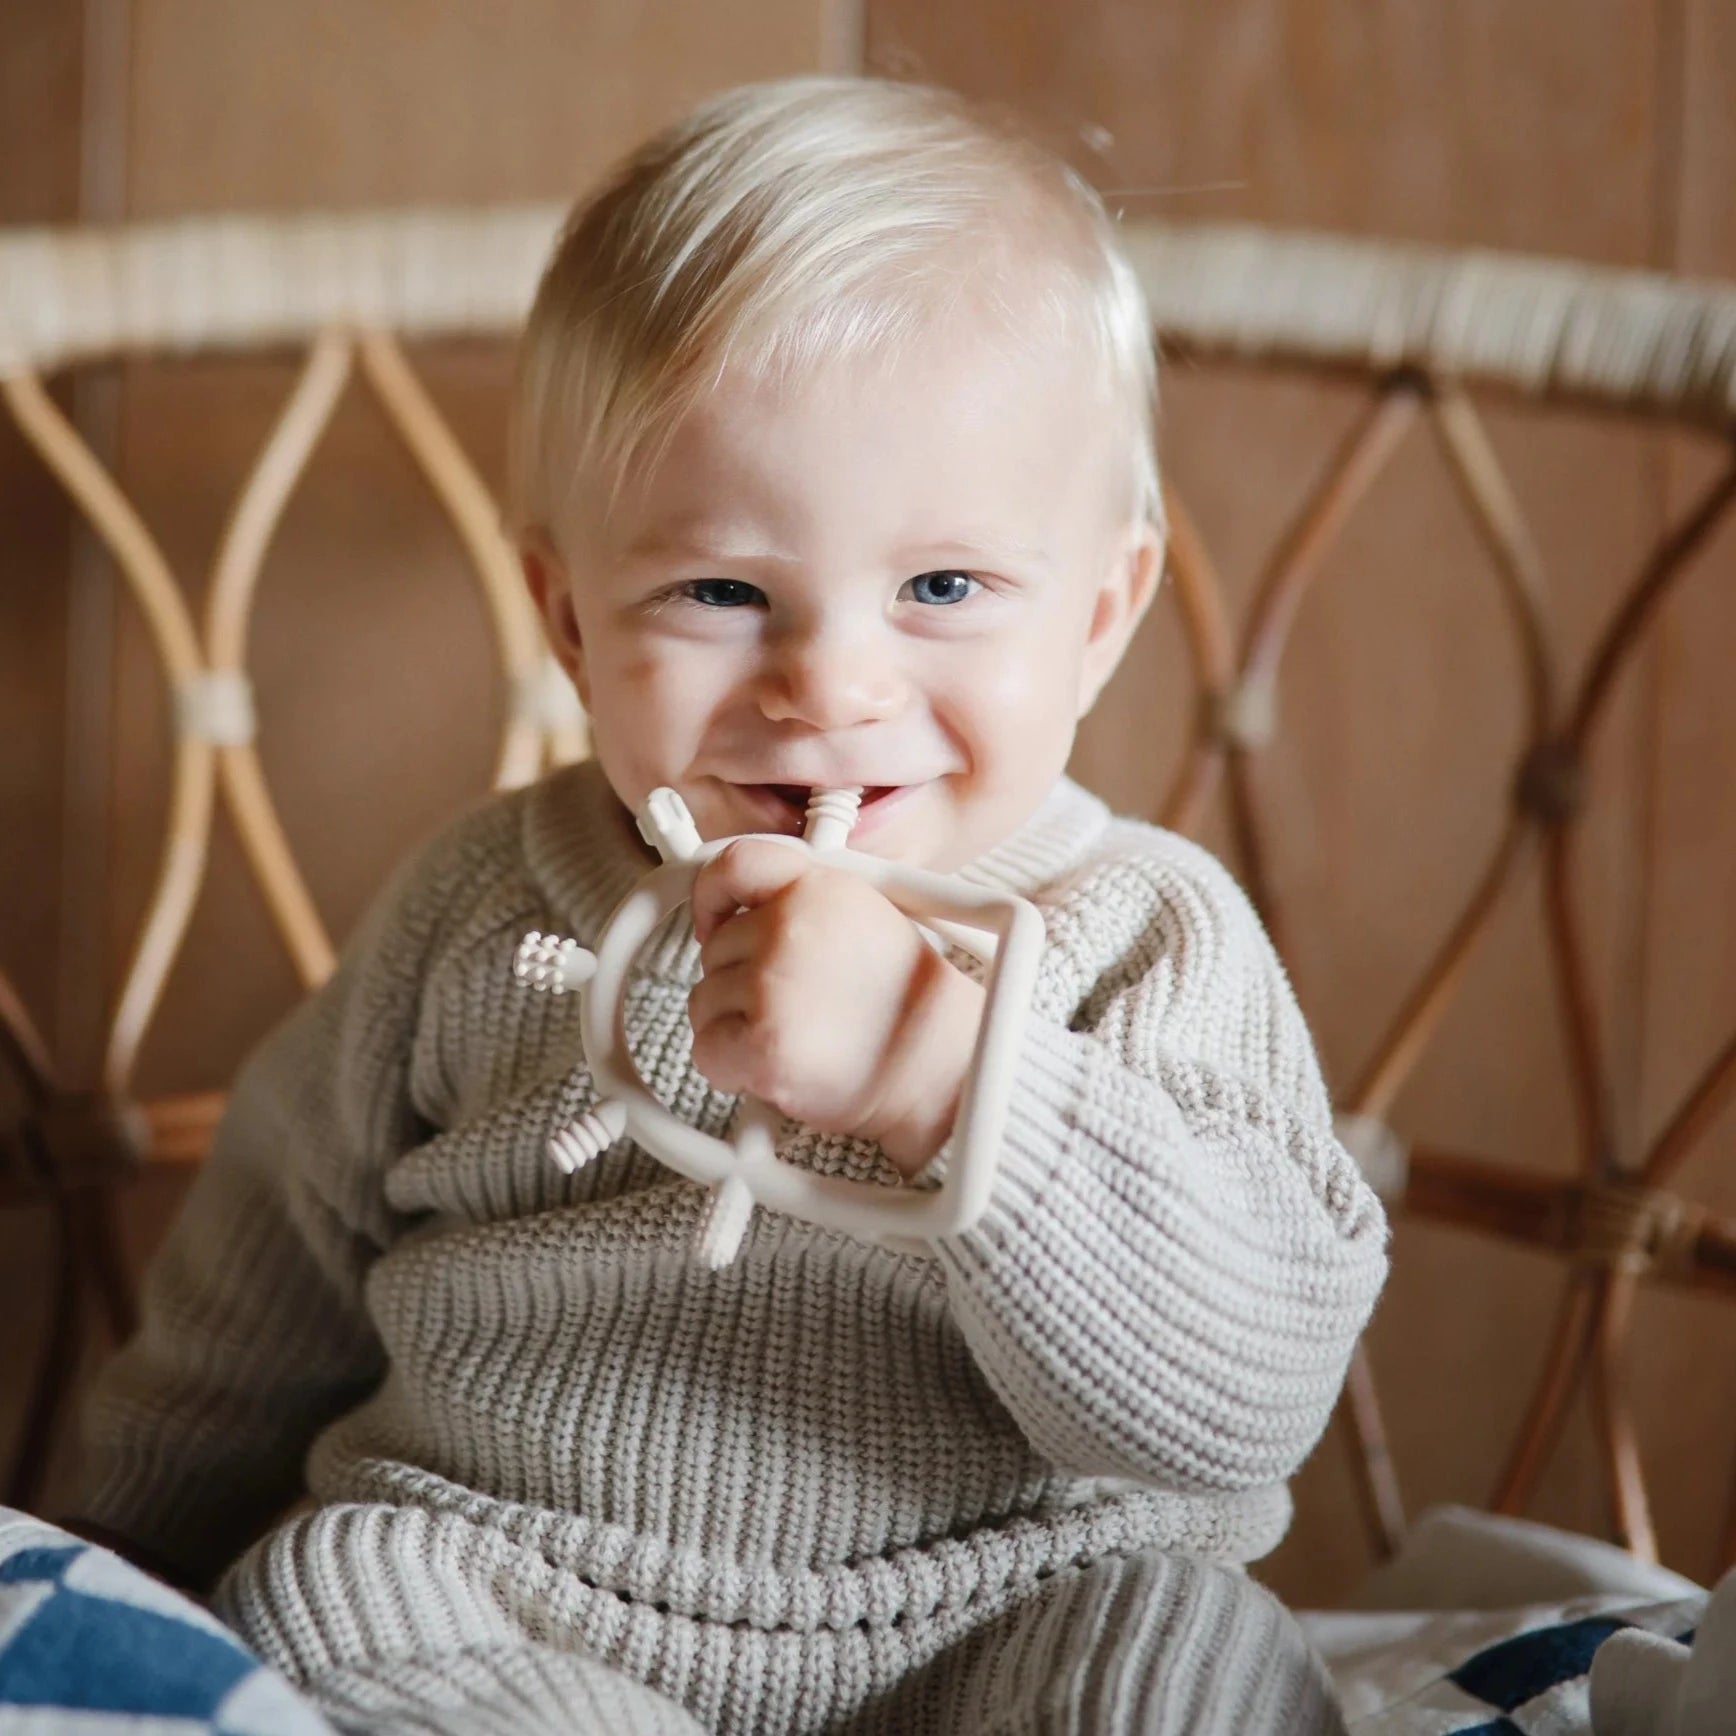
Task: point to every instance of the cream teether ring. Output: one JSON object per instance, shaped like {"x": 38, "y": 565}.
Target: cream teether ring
{"x": 1001, "y": 928}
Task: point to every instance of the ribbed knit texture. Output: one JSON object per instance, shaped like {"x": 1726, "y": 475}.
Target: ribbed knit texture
{"x": 544, "y": 1402}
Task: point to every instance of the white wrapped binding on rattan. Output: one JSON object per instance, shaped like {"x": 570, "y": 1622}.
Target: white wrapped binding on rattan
{"x": 1551, "y": 328}
{"x": 245, "y": 282}
{"x": 545, "y": 699}
{"x": 217, "y": 706}
{"x": 1001, "y": 928}
{"x": 1246, "y": 717}
{"x": 1381, "y": 1155}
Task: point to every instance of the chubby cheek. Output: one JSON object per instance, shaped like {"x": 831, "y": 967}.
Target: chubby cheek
{"x": 1029, "y": 677}
{"x": 1023, "y": 707}
{"x": 650, "y": 713}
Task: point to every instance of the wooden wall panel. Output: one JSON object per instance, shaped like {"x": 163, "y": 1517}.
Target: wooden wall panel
{"x": 332, "y": 104}
{"x": 1469, "y": 125}
{"x": 41, "y": 69}
{"x": 1475, "y": 124}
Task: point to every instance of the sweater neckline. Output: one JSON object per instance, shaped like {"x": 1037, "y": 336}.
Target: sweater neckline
{"x": 583, "y": 847}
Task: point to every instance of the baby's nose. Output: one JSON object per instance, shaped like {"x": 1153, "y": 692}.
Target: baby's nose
{"x": 830, "y": 683}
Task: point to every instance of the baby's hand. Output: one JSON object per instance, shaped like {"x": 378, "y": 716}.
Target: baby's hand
{"x": 822, "y": 999}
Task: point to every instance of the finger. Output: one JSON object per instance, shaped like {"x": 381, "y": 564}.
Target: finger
{"x": 722, "y": 994}
{"x": 741, "y": 935}
{"x": 720, "y": 1052}
{"x": 728, "y": 1032}
{"x": 745, "y": 873}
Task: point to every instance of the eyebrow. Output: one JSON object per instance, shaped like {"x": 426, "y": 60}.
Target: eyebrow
{"x": 698, "y": 543}
{"x": 979, "y": 547}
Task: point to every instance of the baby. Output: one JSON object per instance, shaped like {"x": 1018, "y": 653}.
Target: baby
{"x": 832, "y": 465}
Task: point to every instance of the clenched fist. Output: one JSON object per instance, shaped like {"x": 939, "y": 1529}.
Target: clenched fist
{"x": 821, "y": 997}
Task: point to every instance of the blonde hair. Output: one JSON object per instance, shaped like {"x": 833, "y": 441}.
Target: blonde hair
{"x": 782, "y": 224}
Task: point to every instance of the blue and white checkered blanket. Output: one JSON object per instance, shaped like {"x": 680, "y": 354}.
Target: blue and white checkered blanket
{"x": 1536, "y": 1684}
{"x": 89, "y": 1646}
{"x": 1534, "y": 1680}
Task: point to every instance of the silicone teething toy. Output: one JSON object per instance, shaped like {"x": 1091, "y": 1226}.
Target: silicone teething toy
{"x": 999, "y": 927}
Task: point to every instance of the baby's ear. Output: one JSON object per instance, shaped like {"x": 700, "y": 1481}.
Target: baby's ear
{"x": 551, "y": 590}
{"x": 1121, "y": 601}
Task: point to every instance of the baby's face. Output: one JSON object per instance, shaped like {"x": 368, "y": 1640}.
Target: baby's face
{"x": 911, "y": 574}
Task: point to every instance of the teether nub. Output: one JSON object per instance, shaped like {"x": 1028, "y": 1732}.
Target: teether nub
{"x": 726, "y": 1224}
{"x": 553, "y": 964}
{"x": 667, "y": 826}
{"x": 830, "y": 815}
{"x": 574, "y": 1145}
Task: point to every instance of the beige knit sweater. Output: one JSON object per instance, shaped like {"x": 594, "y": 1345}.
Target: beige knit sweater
{"x": 383, "y": 1286}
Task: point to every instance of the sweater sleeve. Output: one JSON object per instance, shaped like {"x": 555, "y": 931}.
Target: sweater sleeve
{"x": 253, "y": 1332}
{"x": 1178, "y": 1256}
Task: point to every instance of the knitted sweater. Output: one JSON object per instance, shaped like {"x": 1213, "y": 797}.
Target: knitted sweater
{"x": 382, "y": 1285}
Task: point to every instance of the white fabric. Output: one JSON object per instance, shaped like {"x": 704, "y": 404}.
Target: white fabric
{"x": 1463, "y": 1581}
{"x": 1645, "y": 1685}
{"x": 1455, "y": 1558}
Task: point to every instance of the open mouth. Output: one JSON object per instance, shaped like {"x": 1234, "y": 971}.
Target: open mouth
{"x": 796, "y": 795}
{"x": 785, "y": 806}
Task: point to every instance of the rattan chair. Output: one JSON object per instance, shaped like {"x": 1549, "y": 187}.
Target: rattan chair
{"x": 1419, "y": 330}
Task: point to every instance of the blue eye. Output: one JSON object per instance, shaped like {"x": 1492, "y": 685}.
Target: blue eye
{"x": 953, "y": 583}
{"x": 943, "y": 587}
{"x": 721, "y": 593}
